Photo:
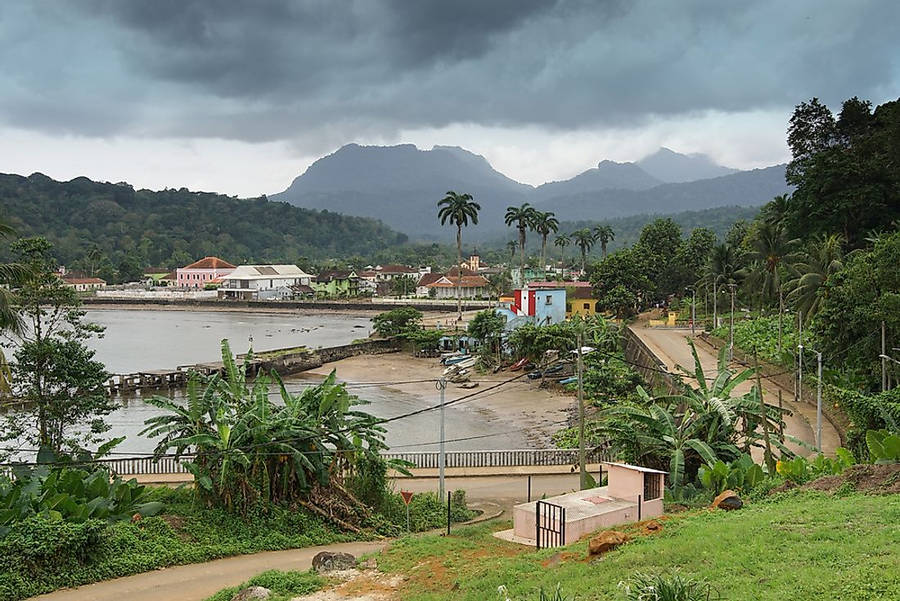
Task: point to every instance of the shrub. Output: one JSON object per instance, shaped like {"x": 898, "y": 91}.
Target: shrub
{"x": 741, "y": 474}
{"x": 283, "y": 585}
{"x": 661, "y": 587}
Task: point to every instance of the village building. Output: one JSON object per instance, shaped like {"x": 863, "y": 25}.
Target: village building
{"x": 389, "y": 272}
{"x": 470, "y": 286}
{"x": 202, "y": 272}
{"x": 335, "y": 283}
{"x": 540, "y": 306}
{"x": 83, "y": 284}
{"x": 581, "y": 301}
{"x": 263, "y": 282}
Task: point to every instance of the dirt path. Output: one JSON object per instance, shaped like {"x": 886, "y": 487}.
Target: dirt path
{"x": 198, "y": 581}
{"x": 672, "y": 349}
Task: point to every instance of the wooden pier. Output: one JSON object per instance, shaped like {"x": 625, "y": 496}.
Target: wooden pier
{"x": 160, "y": 379}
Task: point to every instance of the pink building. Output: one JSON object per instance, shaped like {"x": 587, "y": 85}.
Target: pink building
{"x": 201, "y": 273}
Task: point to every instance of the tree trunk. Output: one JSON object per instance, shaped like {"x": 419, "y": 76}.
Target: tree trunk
{"x": 603, "y": 247}
{"x": 780, "y": 317}
{"x": 522, "y": 257}
{"x": 458, "y": 272}
{"x": 543, "y": 256}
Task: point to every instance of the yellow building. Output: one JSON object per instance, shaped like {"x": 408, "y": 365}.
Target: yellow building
{"x": 579, "y": 301}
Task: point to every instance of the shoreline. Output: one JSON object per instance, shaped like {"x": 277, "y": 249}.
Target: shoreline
{"x": 358, "y": 311}
{"x": 519, "y": 406}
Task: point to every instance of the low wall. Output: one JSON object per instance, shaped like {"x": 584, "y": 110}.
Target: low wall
{"x": 651, "y": 368}
{"x": 786, "y": 379}
{"x": 421, "y": 305}
{"x": 291, "y": 363}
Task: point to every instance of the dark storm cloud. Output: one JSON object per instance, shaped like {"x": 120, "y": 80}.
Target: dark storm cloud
{"x": 319, "y": 69}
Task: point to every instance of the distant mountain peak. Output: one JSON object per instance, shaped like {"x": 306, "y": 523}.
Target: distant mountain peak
{"x": 670, "y": 166}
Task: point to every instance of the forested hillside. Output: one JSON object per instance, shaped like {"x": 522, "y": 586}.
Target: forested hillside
{"x": 123, "y": 229}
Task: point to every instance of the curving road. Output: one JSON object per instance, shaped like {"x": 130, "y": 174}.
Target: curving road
{"x": 670, "y": 346}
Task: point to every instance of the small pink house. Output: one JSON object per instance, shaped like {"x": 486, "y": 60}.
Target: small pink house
{"x": 202, "y": 272}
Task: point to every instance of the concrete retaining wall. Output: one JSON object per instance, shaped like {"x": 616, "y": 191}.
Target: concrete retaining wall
{"x": 291, "y": 363}
{"x": 647, "y": 364}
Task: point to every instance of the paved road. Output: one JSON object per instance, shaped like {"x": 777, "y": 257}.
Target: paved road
{"x": 199, "y": 581}
{"x": 672, "y": 349}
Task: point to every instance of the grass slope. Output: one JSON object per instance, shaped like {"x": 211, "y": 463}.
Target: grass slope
{"x": 794, "y": 546}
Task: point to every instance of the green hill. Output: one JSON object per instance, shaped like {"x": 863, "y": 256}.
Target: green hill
{"x": 796, "y": 546}
{"x": 174, "y": 227}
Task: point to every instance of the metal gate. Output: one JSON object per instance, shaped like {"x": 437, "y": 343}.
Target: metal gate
{"x": 549, "y": 525}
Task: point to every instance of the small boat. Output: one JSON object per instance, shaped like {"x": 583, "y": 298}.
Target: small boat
{"x": 570, "y": 380}
{"x": 553, "y": 369}
{"x": 453, "y": 360}
{"x": 469, "y": 385}
{"x": 518, "y": 365}
{"x": 535, "y": 375}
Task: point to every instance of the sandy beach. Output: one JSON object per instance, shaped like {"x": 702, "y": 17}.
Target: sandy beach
{"x": 520, "y": 405}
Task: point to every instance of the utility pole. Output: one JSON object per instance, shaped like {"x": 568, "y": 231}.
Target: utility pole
{"x": 883, "y": 360}
{"x": 693, "y": 307}
{"x": 819, "y": 404}
{"x": 715, "y": 304}
{"x": 799, "y": 394}
{"x": 582, "y": 454}
{"x": 442, "y": 386}
{"x": 731, "y": 285}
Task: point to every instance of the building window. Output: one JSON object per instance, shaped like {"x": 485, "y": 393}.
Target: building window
{"x": 587, "y": 306}
{"x": 652, "y": 486}
{"x": 549, "y": 300}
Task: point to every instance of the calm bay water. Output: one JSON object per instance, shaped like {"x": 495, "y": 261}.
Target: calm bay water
{"x": 145, "y": 340}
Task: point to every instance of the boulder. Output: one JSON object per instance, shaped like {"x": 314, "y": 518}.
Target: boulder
{"x": 606, "y": 541}
{"x": 252, "y": 592}
{"x": 728, "y": 500}
{"x": 328, "y": 561}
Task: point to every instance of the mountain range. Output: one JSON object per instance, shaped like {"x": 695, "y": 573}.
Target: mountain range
{"x": 401, "y": 185}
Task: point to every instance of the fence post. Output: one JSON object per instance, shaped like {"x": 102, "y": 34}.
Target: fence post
{"x": 529, "y": 488}
{"x": 448, "y": 513}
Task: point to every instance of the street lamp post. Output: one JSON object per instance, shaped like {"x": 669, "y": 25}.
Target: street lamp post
{"x": 731, "y": 328}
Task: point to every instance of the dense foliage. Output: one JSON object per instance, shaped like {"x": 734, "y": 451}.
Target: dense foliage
{"x": 397, "y": 321}
{"x": 247, "y": 450}
{"x": 63, "y": 387}
{"x": 39, "y": 554}
{"x": 104, "y": 228}
{"x": 72, "y": 495}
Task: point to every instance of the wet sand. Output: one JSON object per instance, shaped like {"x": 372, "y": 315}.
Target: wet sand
{"x": 520, "y": 406}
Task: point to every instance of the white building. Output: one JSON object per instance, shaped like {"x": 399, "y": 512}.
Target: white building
{"x": 263, "y": 282}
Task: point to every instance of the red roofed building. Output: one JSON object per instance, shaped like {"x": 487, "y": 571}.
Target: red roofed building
{"x": 202, "y": 272}
{"x": 389, "y": 272}
{"x": 84, "y": 284}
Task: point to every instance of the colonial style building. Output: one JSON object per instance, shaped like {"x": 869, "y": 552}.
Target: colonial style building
{"x": 202, "y": 272}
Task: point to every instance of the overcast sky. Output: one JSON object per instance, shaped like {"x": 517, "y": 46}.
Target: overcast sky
{"x": 240, "y": 96}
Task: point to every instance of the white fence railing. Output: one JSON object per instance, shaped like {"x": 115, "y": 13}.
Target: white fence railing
{"x": 423, "y": 459}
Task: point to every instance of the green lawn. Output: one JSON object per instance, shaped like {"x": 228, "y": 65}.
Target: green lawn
{"x": 799, "y": 546}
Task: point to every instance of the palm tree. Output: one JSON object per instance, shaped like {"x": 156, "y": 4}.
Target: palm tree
{"x": 544, "y": 224}
{"x": 823, "y": 259}
{"x": 523, "y": 219}
{"x": 772, "y": 253}
{"x": 605, "y": 234}
{"x": 459, "y": 210}
{"x": 584, "y": 239}
{"x": 511, "y": 246}
{"x": 562, "y": 241}
{"x": 776, "y": 210}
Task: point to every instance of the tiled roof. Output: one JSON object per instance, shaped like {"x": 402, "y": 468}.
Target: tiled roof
{"x": 327, "y": 276}
{"x": 559, "y": 284}
{"x": 429, "y": 278}
{"x": 398, "y": 269}
{"x": 210, "y": 263}
{"x": 582, "y": 293}
{"x": 84, "y": 281}
{"x": 454, "y": 271}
